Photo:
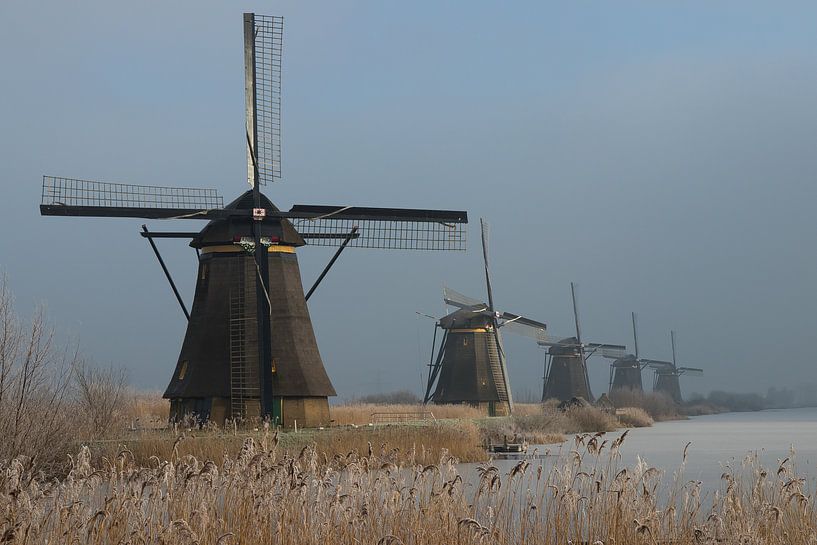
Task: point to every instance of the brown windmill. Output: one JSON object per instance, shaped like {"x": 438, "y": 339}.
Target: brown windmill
{"x": 250, "y": 349}
{"x": 471, "y": 366}
{"x": 471, "y": 363}
{"x": 666, "y": 375}
{"x": 625, "y": 371}
{"x": 566, "y": 374}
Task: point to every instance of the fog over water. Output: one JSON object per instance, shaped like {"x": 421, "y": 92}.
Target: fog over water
{"x": 661, "y": 156}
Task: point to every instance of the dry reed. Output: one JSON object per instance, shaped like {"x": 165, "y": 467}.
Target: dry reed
{"x": 262, "y": 496}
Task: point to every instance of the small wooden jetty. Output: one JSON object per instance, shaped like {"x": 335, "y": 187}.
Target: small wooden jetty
{"x": 515, "y": 446}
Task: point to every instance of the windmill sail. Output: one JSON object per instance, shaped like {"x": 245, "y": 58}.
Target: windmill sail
{"x": 383, "y": 228}
{"x": 72, "y": 197}
{"x": 457, "y": 299}
{"x": 263, "y": 46}
{"x": 523, "y": 326}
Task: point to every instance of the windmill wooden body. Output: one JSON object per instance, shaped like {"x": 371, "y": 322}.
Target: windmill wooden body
{"x": 666, "y": 378}
{"x": 250, "y": 349}
{"x": 471, "y": 366}
{"x": 566, "y": 375}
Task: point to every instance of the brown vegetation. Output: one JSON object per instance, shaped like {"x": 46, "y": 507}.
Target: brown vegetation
{"x": 634, "y": 417}
{"x": 424, "y": 443}
{"x": 360, "y": 414}
{"x": 50, "y": 399}
{"x": 547, "y": 424}
{"x": 261, "y": 495}
{"x": 658, "y": 406}
{"x": 145, "y": 410}
{"x": 35, "y": 419}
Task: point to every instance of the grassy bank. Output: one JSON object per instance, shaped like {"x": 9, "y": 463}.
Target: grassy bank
{"x": 460, "y": 433}
{"x": 400, "y": 443}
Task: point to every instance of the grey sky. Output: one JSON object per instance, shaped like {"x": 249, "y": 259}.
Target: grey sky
{"x": 662, "y": 157}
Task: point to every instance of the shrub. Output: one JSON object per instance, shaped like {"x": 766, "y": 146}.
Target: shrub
{"x": 634, "y": 417}
{"x": 35, "y": 420}
{"x": 657, "y": 404}
{"x": 401, "y": 397}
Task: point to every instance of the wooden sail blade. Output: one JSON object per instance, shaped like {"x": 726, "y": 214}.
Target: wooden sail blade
{"x": 520, "y": 325}
{"x": 615, "y": 353}
{"x": 457, "y": 299}
{"x": 606, "y": 346}
{"x": 73, "y": 197}
{"x": 661, "y": 367}
{"x": 385, "y": 228}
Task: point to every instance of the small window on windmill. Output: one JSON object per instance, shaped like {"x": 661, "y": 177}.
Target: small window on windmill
{"x": 183, "y": 370}
{"x": 465, "y": 341}
{"x": 274, "y": 365}
{"x": 204, "y": 270}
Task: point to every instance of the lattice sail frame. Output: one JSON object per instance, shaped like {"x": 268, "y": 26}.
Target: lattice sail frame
{"x": 60, "y": 191}
{"x": 267, "y": 54}
{"x": 383, "y": 233}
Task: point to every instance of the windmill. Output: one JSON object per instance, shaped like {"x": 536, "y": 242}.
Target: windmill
{"x": 666, "y": 375}
{"x": 249, "y": 349}
{"x": 625, "y": 371}
{"x": 565, "y": 375}
{"x": 471, "y": 366}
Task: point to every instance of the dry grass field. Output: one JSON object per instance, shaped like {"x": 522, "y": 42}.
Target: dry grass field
{"x": 424, "y": 443}
{"x": 261, "y": 495}
{"x": 360, "y": 414}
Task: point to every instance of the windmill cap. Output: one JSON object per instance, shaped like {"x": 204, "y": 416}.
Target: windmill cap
{"x": 227, "y": 230}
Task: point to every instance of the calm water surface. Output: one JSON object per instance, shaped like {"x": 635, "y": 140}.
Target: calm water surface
{"x": 717, "y": 441}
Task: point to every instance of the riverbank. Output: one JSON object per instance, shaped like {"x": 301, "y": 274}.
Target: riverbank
{"x": 458, "y": 432}
{"x": 419, "y": 441}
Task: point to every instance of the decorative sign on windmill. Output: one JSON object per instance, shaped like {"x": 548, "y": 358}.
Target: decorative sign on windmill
{"x": 470, "y": 365}
{"x": 625, "y": 371}
{"x": 250, "y": 349}
{"x": 666, "y": 375}
{"x": 566, "y": 375}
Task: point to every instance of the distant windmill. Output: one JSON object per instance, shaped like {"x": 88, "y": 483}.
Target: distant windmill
{"x": 566, "y": 373}
{"x": 471, "y": 365}
{"x": 250, "y": 349}
{"x": 666, "y": 375}
{"x": 625, "y": 371}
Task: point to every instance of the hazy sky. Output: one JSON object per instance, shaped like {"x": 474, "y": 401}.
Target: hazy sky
{"x": 661, "y": 155}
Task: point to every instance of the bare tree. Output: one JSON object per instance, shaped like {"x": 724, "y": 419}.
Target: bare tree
{"x": 34, "y": 380}
{"x": 100, "y": 394}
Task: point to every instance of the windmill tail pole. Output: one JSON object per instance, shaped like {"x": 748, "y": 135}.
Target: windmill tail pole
{"x": 434, "y": 369}
{"x": 335, "y": 257}
{"x": 147, "y": 235}
{"x": 575, "y": 313}
{"x": 484, "y": 232}
{"x": 672, "y": 338}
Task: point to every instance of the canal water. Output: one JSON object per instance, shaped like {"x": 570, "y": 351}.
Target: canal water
{"x": 726, "y": 439}
{"x": 716, "y": 443}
